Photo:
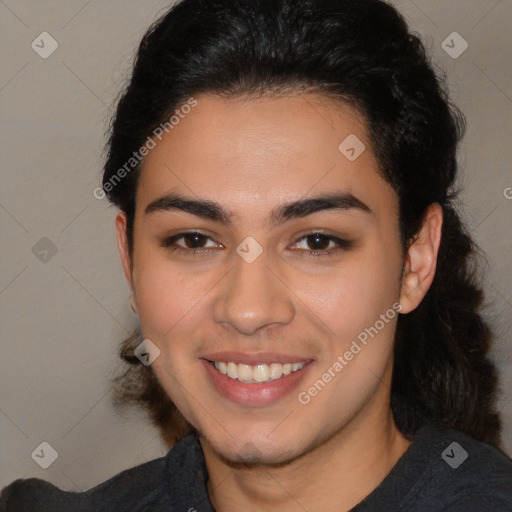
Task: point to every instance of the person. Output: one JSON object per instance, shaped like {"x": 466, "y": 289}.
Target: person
{"x": 310, "y": 329}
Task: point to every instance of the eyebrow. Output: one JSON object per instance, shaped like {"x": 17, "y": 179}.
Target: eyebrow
{"x": 295, "y": 209}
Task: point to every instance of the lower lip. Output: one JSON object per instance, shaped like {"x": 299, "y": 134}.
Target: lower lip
{"x": 261, "y": 393}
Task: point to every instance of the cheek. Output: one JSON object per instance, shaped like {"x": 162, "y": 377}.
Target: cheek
{"x": 157, "y": 299}
{"x": 354, "y": 295}
{"x": 165, "y": 296}
{"x": 169, "y": 310}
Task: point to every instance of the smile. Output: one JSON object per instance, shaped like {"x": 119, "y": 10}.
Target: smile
{"x": 257, "y": 373}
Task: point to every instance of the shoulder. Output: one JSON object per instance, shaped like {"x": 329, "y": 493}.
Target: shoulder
{"x": 446, "y": 471}
{"x": 143, "y": 484}
{"x": 460, "y": 474}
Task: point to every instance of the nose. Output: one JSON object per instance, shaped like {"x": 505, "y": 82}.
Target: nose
{"x": 253, "y": 296}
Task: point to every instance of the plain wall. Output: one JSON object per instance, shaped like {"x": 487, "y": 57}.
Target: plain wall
{"x": 62, "y": 319}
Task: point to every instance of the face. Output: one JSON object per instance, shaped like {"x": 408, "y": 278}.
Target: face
{"x": 266, "y": 268}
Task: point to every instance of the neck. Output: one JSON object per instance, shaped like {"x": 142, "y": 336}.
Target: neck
{"x": 334, "y": 476}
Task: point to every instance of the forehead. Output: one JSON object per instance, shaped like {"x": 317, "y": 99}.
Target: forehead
{"x": 253, "y": 153}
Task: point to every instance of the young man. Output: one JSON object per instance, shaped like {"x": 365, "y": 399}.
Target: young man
{"x": 283, "y": 171}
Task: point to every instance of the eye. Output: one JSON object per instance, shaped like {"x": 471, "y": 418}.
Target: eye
{"x": 193, "y": 242}
{"x": 314, "y": 244}
{"x": 320, "y": 244}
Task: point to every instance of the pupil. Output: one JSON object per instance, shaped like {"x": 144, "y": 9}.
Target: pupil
{"x": 196, "y": 240}
{"x": 318, "y": 238}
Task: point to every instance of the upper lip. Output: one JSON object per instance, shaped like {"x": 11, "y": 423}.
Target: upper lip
{"x": 254, "y": 358}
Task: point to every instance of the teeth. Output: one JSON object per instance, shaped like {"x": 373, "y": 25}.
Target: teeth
{"x": 276, "y": 370}
{"x": 232, "y": 371}
{"x": 244, "y": 372}
{"x": 260, "y": 373}
{"x": 257, "y": 373}
{"x": 223, "y": 367}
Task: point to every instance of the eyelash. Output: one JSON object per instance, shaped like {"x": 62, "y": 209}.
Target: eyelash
{"x": 170, "y": 243}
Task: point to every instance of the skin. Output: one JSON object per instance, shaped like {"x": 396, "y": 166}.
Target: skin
{"x": 251, "y": 155}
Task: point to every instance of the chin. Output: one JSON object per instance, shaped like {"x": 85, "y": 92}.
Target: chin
{"x": 250, "y": 456}
{"x": 258, "y": 451}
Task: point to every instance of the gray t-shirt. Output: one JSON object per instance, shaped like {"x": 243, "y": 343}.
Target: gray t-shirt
{"x": 442, "y": 470}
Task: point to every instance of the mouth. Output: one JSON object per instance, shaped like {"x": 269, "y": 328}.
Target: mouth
{"x": 255, "y": 379}
{"x": 258, "y": 373}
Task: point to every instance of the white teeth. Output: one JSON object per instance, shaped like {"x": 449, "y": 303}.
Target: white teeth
{"x": 257, "y": 373}
{"x": 244, "y": 372}
{"x": 232, "y": 371}
{"x": 276, "y": 370}
{"x": 261, "y": 373}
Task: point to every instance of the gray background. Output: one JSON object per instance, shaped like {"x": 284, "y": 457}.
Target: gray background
{"x": 63, "y": 318}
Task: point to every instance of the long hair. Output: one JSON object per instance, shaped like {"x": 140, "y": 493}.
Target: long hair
{"x": 360, "y": 52}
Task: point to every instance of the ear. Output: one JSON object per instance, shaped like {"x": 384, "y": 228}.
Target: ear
{"x": 421, "y": 259}
{"x": 122, "y": 245}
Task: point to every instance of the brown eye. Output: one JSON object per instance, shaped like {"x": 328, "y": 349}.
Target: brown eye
{"x": 194, "y": 240}
{"x": 188, "y": 242}
{"x": 321, "y": 244}
{"x": 318, "y": 242}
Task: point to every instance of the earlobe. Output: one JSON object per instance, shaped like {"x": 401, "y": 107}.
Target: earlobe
{"x": 421, "y": 259}
{"x": 122, "y": 245}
